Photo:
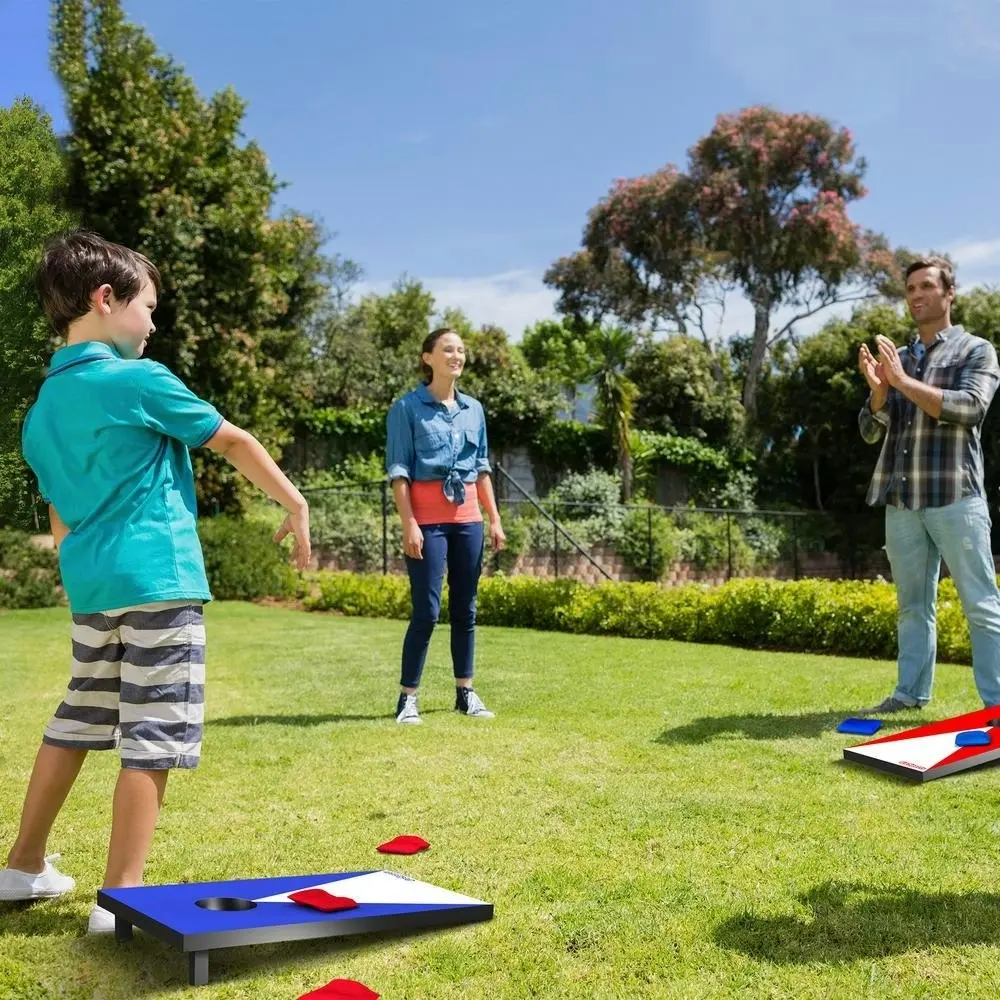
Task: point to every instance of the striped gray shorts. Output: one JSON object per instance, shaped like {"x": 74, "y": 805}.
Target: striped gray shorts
{"x": 138, "y": 684}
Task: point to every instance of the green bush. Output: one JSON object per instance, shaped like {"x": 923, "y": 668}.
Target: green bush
{"x": 350, "y": 528}
{"x": 518, "y": 531}
{"x": 29, "y": 576}
{"x": 708, "y": 468}
{"x": 362, "y": 595}
{"x": 571, "y": 445}
{"x": 352, "y": 469}
{"x": 357, "y": 430}
{"x": 599, "y": 520}
{"x": 705, "y": 541}
{"x": 845, "y": 617}
{"x": 649, "y": 542}
{"x": 242, "y": 561}
{"x": 768, "y": 539}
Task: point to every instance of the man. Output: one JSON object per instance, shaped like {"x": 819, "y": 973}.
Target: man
{"x": 929, "y": 399}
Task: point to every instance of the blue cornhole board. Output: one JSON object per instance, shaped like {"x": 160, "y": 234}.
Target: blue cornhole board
{"x": 253, "y": 911}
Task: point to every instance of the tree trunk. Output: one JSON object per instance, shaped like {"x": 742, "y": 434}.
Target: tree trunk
{"x": 819, "y": 495}
{"x": 625, "y": 467}
{"x": 761, "y": 326}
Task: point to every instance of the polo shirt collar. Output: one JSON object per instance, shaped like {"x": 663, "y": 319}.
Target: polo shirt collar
{"x": 78, "y": 354}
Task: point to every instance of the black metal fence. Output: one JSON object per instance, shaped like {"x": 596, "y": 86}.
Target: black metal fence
{"x": 356, "y": 526}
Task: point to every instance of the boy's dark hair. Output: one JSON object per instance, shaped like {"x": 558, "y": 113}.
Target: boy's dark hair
{"x": 941, "y": 263}
{"x": 76, "y": 264}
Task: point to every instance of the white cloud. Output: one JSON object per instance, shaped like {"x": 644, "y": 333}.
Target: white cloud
{"x": 973, "y": 27}
{"x": 518, "y": 298}
{"x": 976, "y": 255}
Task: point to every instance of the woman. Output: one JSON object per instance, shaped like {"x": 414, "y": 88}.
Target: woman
{"x": 436, "y": 461}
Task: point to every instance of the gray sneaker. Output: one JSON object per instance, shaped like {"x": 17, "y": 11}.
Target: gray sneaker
{"x": 890, "y": 706}
{"x": 406, "y": 710}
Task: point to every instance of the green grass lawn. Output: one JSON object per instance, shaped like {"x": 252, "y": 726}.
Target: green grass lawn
{"x": 650, "y": 819}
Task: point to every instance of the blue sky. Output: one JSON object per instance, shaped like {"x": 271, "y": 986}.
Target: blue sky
{"x": 464, "y": 142}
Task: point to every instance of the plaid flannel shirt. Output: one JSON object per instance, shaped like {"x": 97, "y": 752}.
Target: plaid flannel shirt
{"x": 928, "y": 462}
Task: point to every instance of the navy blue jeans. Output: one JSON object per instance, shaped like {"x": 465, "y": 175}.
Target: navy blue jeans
{"x": 459, "y": 549}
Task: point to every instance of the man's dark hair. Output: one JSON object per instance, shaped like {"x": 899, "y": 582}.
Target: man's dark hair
{"x": 76, "y": 264}
{"x": 941, "y": 263}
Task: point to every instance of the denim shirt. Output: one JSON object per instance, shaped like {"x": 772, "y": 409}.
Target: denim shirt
{"x": 427, "y": 442}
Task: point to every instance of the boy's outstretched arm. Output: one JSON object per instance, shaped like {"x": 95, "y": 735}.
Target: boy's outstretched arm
{"x": 249, "y": 457}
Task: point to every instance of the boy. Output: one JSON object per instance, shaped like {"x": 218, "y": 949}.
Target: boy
{"x": 108, "y": 440}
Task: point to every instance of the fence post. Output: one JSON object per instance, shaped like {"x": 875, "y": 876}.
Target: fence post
{"x": 385, "y": 527}
{"x": 795, "y": 547}
{"x": 555, "y": 547}
{"x": 729, "y": 544}
{"x": 649, "y": 541}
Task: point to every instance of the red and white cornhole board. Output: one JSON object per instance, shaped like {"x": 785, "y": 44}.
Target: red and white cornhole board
{"x": 929, "y": 752}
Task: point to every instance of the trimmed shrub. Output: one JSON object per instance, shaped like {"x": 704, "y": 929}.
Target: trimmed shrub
{"x": 649, "y": 542}
{"x": 845, "y": 617}
{"x": 29, "y": 575}
{"x": 242, "y": 561}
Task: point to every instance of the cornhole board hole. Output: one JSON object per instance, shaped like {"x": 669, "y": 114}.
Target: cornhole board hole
{"x": 934, "y": 750}
{"x": 198, "y": 917}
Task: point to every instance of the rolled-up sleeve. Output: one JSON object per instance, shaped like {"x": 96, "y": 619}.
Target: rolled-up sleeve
{"x": 873, "y": 425}
{"x": 968, "y": 402}
{"x": 399, "y": 455}
{"x": 483, "y": 452}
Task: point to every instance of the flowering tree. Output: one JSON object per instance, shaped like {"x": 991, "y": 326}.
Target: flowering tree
{"x": 762, "y": 207}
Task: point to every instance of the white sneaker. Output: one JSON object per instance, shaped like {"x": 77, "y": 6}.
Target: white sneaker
{"x": 406, "y": 710}
{"x": 473, "y": 705}
{"x": 101, "y": 921}
{"x": 47, "y": 884}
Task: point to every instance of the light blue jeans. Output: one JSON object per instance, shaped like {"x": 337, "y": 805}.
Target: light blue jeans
{"x": 915, "y": 541}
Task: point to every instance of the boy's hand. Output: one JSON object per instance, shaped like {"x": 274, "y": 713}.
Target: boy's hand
{"x": 297, "y": 524}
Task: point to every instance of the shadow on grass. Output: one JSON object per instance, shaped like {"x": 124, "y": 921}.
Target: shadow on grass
{"x": 153, "y": 965}
{"x": 308, "y": 720}
{"x": 775, "y": 727}
{"x": 850, "y": 922}
{"x": 39, "y": 918}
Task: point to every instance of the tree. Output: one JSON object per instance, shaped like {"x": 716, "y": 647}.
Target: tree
{"x": 565, "y": 351}
{"x": 687, "y": 389}
{"x": 155, "y": 166}
{"x": 518, "y": 401}
{"x": 32, "y": 209}
{"x": 615, "y": 396}
{"x": 810, "y": 402}
{"x": 814, "y": 457}
{"x": 368, "y": 352}
{"x": 762, "y": 207}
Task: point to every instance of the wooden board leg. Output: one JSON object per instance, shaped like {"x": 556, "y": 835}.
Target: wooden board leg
{"x": 123, "y": 930}
{"x": 198, "y": 968}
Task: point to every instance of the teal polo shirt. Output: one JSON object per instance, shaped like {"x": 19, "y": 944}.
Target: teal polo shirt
{"x": 108, "y": 440}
